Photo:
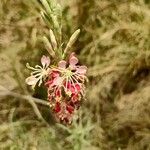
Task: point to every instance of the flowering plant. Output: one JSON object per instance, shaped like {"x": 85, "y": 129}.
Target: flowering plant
{"x": 64, "y": 79}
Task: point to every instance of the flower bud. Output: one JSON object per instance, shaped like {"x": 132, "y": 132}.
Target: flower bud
{"x": 48, "y": 46}
{"x": 53, "y": 40}
{"x": 72, "y": 40}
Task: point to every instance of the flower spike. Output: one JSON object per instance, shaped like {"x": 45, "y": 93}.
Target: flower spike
{"x": 64, "y": 80}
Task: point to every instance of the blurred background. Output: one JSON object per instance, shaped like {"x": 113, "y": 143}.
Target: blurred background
{"x": 115, "y": 45}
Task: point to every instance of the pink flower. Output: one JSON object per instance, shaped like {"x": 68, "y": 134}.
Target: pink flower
{"x": 70, "y": 78}
{"x": 64, "y": 82}
{"x": 39, "y": 73}
{"x": 66, "y": 88}
{"x": 45, "y": 61}
{"x": 64, "y": 112}
{"x": 73, "y": 88}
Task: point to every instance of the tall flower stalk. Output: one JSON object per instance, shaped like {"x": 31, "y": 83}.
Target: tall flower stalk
{"x": 64, "y": 79}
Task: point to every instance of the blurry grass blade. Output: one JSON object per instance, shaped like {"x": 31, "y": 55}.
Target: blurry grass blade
{"x": 48, "y": 46}
{"x": 64, "y": 127}
{"x": 53, "y": 39}
{"x": 33, "y": 37}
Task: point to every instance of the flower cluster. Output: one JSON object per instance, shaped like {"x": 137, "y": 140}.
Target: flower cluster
{"x": 66, "y": 87}
{"x": 64, "y": 81}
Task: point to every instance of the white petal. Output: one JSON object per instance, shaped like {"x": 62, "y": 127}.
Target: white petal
{"x": 31, "y": 80}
